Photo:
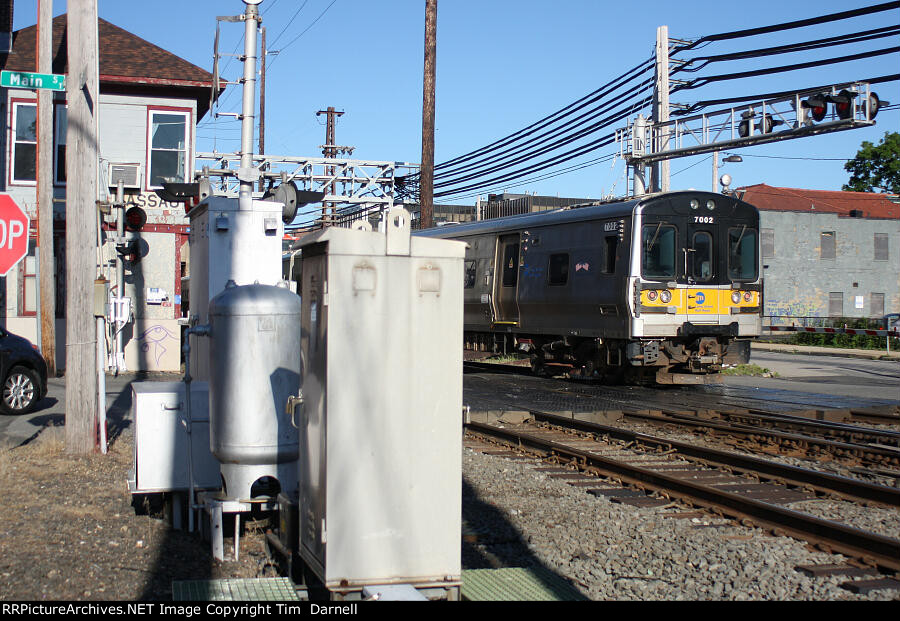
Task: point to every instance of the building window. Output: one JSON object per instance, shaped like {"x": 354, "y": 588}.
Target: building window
{"x": 24, "y": 142}
{"x": 167, "y": 156}
{"x": 827, "y": 246}
{"x": 876, "y": 305}
{"x": 767, "y": 238}
{"x": 59, "y": 144}
{"x": 881, "y": 246}
{"x": 559, "y": 269}
{"x": 836, "y": 304}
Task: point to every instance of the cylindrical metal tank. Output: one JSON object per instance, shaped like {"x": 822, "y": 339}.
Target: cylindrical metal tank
{"x": 254, "y": 368}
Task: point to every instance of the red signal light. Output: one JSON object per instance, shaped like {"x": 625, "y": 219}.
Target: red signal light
{"x": 843, "y": 103}
{"x": 817, "y": 106}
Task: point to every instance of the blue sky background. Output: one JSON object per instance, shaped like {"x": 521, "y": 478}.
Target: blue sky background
{"x": 502, "y": 64}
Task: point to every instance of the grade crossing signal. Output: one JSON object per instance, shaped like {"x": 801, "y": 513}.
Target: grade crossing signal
{"x": 814, "y": 106}
{"x": 843, "y": 103}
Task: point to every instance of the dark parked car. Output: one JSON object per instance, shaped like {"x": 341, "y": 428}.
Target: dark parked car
{"x": 23, "y": 372}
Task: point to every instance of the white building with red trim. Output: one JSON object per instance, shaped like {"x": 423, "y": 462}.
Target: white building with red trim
{"x": 149, "y": 105}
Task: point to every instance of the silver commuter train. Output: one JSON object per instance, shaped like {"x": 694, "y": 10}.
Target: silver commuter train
{"x": 665, "y": 288}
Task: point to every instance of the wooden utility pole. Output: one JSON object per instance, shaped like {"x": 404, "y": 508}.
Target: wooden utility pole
{"x": 81, "y": 227}
{"x": 329, "y": 150}
{"x": 45, "y": 189}
{"x": 426, "y": 172}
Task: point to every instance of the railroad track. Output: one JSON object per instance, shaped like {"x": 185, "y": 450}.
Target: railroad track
{"x": 820, "y": 434}
{"x": 628, "y": 466}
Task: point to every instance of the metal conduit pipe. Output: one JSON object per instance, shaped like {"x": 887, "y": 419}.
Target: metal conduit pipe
{"x": 203, "y": 330}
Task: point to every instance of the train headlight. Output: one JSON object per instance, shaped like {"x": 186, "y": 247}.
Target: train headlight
{"x": 651, "y": 295}
{"x": 665, "y": 297}
{"x": 710, "y": 204}
{"x": 747, "y": 296}
{"x": 736, "y": 296}
{"x": 695, "y": 204}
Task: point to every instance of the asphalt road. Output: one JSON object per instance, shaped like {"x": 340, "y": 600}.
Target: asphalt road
{"x": 830, "y": 375}
{"x": 15, "y": 430}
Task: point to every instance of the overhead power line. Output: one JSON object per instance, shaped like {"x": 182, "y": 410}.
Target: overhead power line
{"x": 801, "y": 23}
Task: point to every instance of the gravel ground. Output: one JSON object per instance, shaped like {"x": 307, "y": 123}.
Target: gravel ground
{"x": 68, "y": 531}
{"x": 520, "y": 517}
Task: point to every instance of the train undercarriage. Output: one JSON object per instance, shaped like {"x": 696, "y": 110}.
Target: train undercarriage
{"x": 695, "y": 359}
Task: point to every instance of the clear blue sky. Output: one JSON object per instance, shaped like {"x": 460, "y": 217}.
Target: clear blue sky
{"x": 502, "y": 64}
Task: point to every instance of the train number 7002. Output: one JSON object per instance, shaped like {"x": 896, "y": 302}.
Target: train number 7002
{"x": 704, "y": 219}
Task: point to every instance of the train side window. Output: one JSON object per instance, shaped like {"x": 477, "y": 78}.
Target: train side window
{"x": 702, "y": 243}
{"x": 742, "y": 259}
{"x": 658, "y": 255}
{"x": 558, "y": 272}
{"x": 510, "y": 265}
{"x": 612, "y": 246}
{"x": 469, "y": 276}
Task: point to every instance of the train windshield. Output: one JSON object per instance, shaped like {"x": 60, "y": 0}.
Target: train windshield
{"x": 658, "y": 258}
{"x": 742, "y": 259}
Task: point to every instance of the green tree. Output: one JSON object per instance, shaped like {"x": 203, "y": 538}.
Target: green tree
{"x": 876, "y": 168}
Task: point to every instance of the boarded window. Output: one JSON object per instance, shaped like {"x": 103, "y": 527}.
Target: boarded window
{"x": 767, "y": 238}
{"x": 876, "y": 304}
{"x": 558, "y": 271}
{"x": 827, "y": 245}
{"x": 881, "y": 246}
{"x": 835, "y": 304}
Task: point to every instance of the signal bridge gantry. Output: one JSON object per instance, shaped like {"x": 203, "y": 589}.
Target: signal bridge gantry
{"x": 364, "y": 185}
{"x": 794, "y": 115}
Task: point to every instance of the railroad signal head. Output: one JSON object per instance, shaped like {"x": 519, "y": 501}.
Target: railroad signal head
{"x": 816, "y": 105}
{"x": 843, "y": 103}
{"x": 874, "y": 105}
{"x": 745, "y": 127}
{"x": 767, "y": 124}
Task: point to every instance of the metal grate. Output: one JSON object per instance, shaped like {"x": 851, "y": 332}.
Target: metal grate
{"x": 513, "y": 584}
{"x": 235, "y": 590}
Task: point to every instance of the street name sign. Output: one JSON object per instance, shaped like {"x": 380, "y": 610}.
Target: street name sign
{"x": 13, "y": 234}
{"x": 24, "y": 79}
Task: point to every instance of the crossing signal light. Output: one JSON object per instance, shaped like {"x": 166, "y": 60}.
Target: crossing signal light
{"x": 745, "y": 128}
{"x": 843, "y": 103}
{"x": 768, "y": 124}
{"x": 816, "y": 105}
{"x": 875, "y": 104}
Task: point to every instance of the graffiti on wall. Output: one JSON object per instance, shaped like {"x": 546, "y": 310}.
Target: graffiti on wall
{"x": 154, "y": 339}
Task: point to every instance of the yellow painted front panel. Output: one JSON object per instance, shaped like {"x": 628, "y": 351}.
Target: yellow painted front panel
{"x": 701, "y": 301}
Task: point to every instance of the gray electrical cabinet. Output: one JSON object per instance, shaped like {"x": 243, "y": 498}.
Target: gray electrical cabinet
{"x": 380, "y": 428}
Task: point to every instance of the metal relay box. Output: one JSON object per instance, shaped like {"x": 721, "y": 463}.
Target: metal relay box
{"x": 380, "y": 429}
{"x": 161, "y": 438}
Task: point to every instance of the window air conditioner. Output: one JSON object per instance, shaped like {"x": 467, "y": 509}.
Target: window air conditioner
{"x": 130, "y": 174}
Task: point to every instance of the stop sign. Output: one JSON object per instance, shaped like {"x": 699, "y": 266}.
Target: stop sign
{"x": 13, "y": 234}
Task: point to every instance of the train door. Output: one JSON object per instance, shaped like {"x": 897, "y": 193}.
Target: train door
{"x": 701, "y": 267}
{"x": 506, "y": 280}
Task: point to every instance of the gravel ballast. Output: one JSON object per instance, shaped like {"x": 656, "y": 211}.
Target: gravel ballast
{"x": 516, "y": 516}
